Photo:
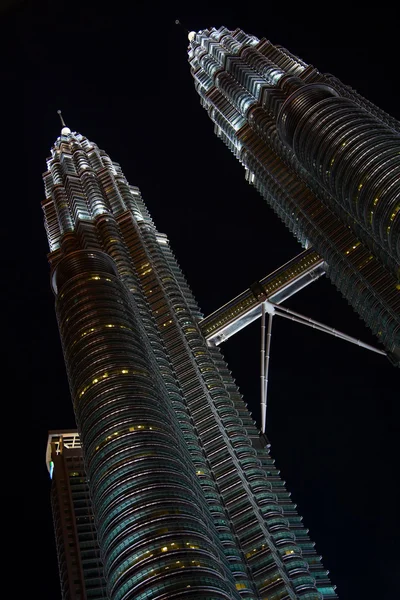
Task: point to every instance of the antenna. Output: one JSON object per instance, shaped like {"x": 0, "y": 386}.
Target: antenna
{"x": 190, "y": 34}
{"x": 178, "y": 22}
{"x": 61, "y": 117}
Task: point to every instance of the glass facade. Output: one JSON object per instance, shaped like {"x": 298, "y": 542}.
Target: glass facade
{"x": 324, "y": 158}
{"x": 185, "y": 497}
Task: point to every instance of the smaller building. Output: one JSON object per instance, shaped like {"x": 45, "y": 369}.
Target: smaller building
{"x": 80, "y": 565}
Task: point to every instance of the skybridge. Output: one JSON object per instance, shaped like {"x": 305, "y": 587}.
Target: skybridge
{"x": 263, "y": 298}
{"x": 276, "y": 287}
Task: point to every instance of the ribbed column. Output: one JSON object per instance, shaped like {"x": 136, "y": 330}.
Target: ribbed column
{"x": 241, "y": 484}
{"x": 351, "y": 153}
{"x": 153, "y": 524}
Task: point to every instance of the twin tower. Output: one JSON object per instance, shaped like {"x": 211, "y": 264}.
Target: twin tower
{"x": 168, "y": 489}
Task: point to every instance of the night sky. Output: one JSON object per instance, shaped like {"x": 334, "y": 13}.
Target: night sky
{"x": 121, "y": 77}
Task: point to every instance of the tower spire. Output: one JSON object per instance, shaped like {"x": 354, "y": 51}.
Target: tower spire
{"x": 64, "y": 129}
{"x": 61, "y": 118}
{"x": 190, "y": 34}
{"x": 178, "y": 22}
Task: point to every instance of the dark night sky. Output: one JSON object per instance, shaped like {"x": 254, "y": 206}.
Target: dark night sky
{"x": 122, "y": 79}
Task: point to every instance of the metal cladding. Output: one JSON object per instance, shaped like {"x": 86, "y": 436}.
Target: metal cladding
{"x": 185, "y": 496}
{"x": 325, "y": 159}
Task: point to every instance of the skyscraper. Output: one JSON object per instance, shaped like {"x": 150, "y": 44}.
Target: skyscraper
{"x": 324, "y": 158}
{"x": 186, "y": 499}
